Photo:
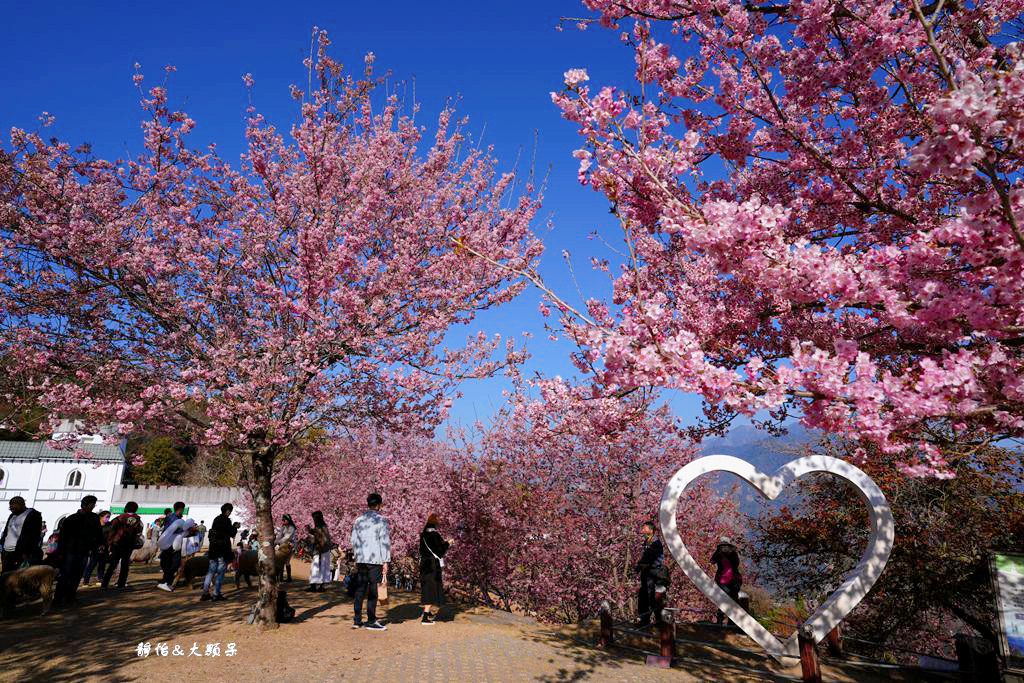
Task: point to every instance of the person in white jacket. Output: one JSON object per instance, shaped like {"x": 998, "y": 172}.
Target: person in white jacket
{"x": 320, "y": 567}
{"x": 371, "y": 545}
{"x": 284, "y": 541}
{"x": 171, "y": 542}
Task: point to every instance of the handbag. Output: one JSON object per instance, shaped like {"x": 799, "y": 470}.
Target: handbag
{"x": 440, "y": 562}
{"x": 382, "y": 592}
{"x": 139, "y": 541}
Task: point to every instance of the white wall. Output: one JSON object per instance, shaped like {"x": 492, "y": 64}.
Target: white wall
{"x": 20, "y": 479}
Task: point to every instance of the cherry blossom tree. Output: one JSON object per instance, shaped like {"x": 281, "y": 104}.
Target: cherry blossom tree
{"x": 412, "y": 472}
{"x": 823, "y": 213}
{"x": 544, "y": 508}
{"x": 308, "y": 287}
{"x": 551, "y": 508}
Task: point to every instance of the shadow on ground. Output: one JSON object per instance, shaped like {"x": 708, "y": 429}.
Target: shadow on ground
{"x": 99, "y": 637}
{"x": 718, "y": 654}
{"x": 98, "y": 640}
{"x": 588, "y": 659}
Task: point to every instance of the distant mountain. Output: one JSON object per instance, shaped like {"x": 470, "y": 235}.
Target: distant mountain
{"x": 762, "y": 450}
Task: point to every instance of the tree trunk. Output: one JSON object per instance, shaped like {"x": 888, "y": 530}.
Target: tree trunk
{"x": 264, "y": 613}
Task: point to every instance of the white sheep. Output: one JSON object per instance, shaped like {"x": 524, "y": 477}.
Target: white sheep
{"x": 28, "y": 582}
{"x": 147, "y": 552}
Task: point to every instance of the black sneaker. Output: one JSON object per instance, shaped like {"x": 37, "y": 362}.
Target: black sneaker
{"x": 376, "y": 626}
{"x": 357, "y": 624}
{"x": 427, "y": 620}
{"x": 219, "y": 598}
{"x": 204, "y": 597}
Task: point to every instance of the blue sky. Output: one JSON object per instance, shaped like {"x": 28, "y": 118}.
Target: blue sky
{"x": 501, "y": 60}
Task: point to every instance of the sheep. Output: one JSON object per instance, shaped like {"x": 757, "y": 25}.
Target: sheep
{"x": 146, "y": 553}
{"x": 150, "y": 548}
{"x": 195, "y": 567}
{"x": 249, "y": 565}
{"x": 38, "y": 580}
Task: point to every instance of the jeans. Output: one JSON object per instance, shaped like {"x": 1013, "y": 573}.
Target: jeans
{"x": 217, "y": 569}
{"x": 119, "y": 556}
{"x": 71, "y": 568}
{"x": 367, "y": 578}
{"x": 170, "y": 560}
{"x": 98, "y": 561}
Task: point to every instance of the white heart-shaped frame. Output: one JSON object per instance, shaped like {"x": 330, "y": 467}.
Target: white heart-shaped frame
{"x": 843, "y": 600}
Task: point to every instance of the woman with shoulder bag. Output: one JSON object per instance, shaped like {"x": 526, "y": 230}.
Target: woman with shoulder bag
{"x": 284, "y": 538}
{"x": 432, "y": 550}
{"x": 320, "y": 570}
{"x": 727, "y": 571}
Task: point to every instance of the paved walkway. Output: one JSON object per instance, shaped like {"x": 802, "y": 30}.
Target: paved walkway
{"x": 98, "y": 639}
{"x": 500, "y": 655}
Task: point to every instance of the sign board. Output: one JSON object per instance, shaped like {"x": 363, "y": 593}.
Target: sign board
{"x": 118, "y": 509}
{"x": 1008, "y": 578}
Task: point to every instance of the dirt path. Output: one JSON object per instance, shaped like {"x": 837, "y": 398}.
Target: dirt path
{"x": 99, "y": 640}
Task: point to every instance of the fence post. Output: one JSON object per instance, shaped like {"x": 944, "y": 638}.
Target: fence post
{"x": 809, "y": 666}
{"x": 666, "y": 631}
{"x": 607, "y": 637}
{"x": 666, "y": 634}
{"x": 835, "y": 642}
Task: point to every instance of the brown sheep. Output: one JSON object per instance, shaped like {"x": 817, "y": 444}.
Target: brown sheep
{"x": 27, "y": 582}
{"x": 195, "y": 567}
{"x": 249, "y": 566}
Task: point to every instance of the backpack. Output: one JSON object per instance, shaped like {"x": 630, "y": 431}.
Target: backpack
{"x": 284, "y": 611}
{"x": 660, "y": 576}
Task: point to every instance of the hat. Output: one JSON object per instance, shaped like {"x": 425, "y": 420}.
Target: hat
{"x": 724, "y": 540}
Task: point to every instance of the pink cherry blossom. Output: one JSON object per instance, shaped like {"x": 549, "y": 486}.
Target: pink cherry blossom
{"x": 306, "y": 290}
{"x": 823, "y": 212}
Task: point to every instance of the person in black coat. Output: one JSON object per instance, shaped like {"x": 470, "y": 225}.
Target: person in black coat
{"x": 22, "y": 532}
{"x": 220, "y": 552}
{"x": 432, "y": 550}
{"x": 80, "y": 534}
{"x": 125, "y": 531}
{"x": 651, "y": 557}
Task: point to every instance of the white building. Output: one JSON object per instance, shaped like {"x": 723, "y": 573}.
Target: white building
{"x": 55, "y": 481}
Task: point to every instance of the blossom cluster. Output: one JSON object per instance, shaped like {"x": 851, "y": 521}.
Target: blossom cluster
{"x": 824, "y": 211}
